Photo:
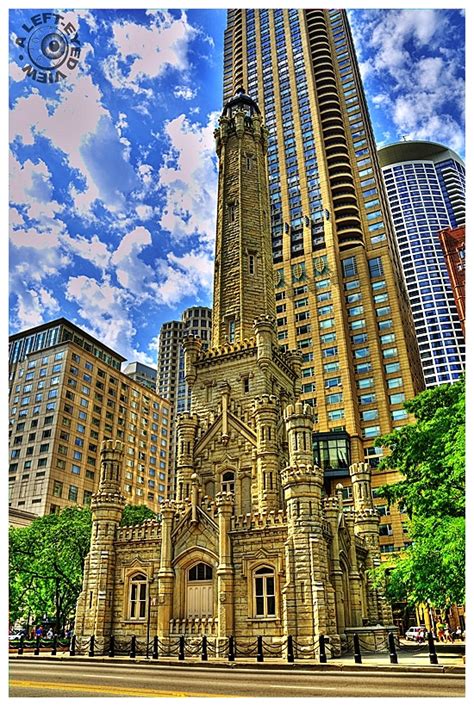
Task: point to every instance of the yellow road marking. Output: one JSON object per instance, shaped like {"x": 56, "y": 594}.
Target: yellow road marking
{"x": 111, "y": 689}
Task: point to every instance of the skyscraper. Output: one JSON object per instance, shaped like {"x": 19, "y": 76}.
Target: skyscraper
{"x": 425, "y": 184}
{"x": 67, "y": 394}
{"x": 195, "y": 321}
{"x": 141, "y": 373}
{"x": 340, "y": 293}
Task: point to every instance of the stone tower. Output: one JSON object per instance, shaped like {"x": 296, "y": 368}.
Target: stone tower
{"x": 95, "y": 604}
{"x": 243, "y": 276}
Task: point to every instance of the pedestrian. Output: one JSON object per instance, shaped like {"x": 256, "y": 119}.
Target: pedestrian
{"x": 447, "y": 633}
{"x": 49, "y": 634}
{"x": 458, "y": 632}
{"x": 440, "y": 631}
{"x": 39, "y": 631}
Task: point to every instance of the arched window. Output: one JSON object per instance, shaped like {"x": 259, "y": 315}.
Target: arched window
{"x": 138, "y": 597}
{"x": 264, "y": 591}
{"x": 228, "y": 482}
{"x": 200, "y": 572}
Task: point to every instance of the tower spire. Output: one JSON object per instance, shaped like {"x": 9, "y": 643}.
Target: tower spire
{"x": 243, "y": 279}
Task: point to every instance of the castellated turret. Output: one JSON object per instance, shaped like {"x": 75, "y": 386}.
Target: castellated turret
{"x": 266, "y": 412}
{"x": 299, "y": 427}
{"x": 107, "y": 507}
{"x": 186, "y": 427}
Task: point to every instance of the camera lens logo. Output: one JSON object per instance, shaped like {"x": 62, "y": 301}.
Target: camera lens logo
{"x": 47, "y": 51}
{"x": 50, "y": 48}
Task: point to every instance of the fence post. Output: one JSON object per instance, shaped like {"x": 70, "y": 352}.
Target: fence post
{"x": 259, "y": 648}
{"x": 37, "y": 646}
{"x": 204, "y": 649}
{"x": 112, "y": 646}
{"x": 133, "y": 647}
{"x": 54, "y": 645}
{"x": 181, "y": 648}
{"x": 393, "y": 651}
{"x": 322, "y": 650}
{"x": 231, "y": 652}
{"x": 432, "y": 649}
{"x": 20, "y": 646}
{"x": 290, "y": 653}
{"x": 357, "y": 654}
{"x": 72, "y": 646}
{"x": 154, "y": 654}
{"x": 91, "y": 646}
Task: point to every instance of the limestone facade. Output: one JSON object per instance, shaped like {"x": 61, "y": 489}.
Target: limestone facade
{"x": 251, "y": 546}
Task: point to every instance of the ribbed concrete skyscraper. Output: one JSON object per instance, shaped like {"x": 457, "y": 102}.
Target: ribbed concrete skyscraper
{"x": 340, "y": 294}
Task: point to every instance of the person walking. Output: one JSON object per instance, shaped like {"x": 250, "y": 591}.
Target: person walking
{"x": 440, "y": 631}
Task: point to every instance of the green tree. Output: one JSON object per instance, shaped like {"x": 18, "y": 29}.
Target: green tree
{"x": 136, "y": 514}
{"x": 46, "y": 565}
{"x": 46, "y": 561}
{"x": 431, "y": 455}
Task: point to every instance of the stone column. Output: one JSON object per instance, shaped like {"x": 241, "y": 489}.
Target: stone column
{"x": 186, "y": 426}
{"x": 225, "y": 571}
{"x": 95, "y": 607}
{"x": 166, "y": 572}
{"x": 366, "y": 526}
{"x": 299, "y": 430}
{"x": 265, "y": 412}
{"x": 355, "y": 579}
{"x": 331, "y": 513}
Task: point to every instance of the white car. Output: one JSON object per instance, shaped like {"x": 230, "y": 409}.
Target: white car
{"x": 416, "y": 633}
{"x": 15, "y": 636}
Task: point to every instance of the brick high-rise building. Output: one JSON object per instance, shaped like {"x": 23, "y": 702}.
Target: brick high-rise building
{"x": 425, "y": 184}
{"x": 67, "y": 395}
{"x": 453, "y": 243}
{"x": 340, "y": 294}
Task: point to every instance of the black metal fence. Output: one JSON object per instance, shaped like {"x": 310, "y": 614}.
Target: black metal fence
{"x": 203, "y": 648}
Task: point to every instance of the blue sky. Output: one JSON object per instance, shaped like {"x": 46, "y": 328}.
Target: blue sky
{"x": 113, "y": 172}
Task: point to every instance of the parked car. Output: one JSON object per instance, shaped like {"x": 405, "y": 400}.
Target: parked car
{"x": 416, "y": 633}
{"x": 16, "y": 635}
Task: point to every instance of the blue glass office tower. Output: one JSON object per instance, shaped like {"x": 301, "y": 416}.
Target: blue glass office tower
{"x": 425, "y": 183}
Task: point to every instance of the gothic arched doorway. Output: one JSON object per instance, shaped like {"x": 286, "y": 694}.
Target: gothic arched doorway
{"x": 199, "y": 591}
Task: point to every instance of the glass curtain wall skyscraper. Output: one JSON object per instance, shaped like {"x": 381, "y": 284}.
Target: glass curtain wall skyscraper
{"x": 340, "y": 293}
{"x": 425, "y": 183}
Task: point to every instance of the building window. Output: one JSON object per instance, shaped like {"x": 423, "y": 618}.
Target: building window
{"x": 231, "y": 331}
{"x": 200, "y": 572}
{"x": 138, "y": 597}
{"x": 264, "y": 591}
{"x": 228, "y": 482}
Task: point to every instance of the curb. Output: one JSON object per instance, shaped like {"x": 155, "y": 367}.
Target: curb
{"x": 283, "y": 666}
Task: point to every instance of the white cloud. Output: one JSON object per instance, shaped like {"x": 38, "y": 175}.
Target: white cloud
{"x": 32, "y": 305}
{"x": 106, "y": 311}
{"x": 93, "y": 249}
{"x": 31, "y": 186}
{"x": 402, "y": 53}
{"x": 151, "y": 49}
{"x": 132, "y": 273}
{"x": 188, "y": 275}
{"x": 189, "y": 178}
{"x": 185, "y": 92}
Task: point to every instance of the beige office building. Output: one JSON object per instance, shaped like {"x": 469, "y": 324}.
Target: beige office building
{"x": 67, "y": 395}
{"x": 340, "y": 293}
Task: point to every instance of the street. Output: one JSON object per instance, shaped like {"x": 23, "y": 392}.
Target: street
{"x": 30, "y": 678}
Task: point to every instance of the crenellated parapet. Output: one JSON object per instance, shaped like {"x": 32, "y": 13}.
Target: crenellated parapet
{"x": 300, "y": 474}
{"x": 264, "y": 403}
{"x": 225, "y": 502}
{"x": 330, "y": 506}
{"x": 147, "y": 530}
{"x": 258, "y": 520}
{"x": 361, "y": 485}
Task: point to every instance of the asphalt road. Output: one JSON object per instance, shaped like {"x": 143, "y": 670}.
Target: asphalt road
{"x": 48, "y": 679}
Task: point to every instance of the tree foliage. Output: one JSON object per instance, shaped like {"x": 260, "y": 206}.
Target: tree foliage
{"x": 431, "y": 455}
{"x": 47, "y": 560}
{"x": 46, "y": 565}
